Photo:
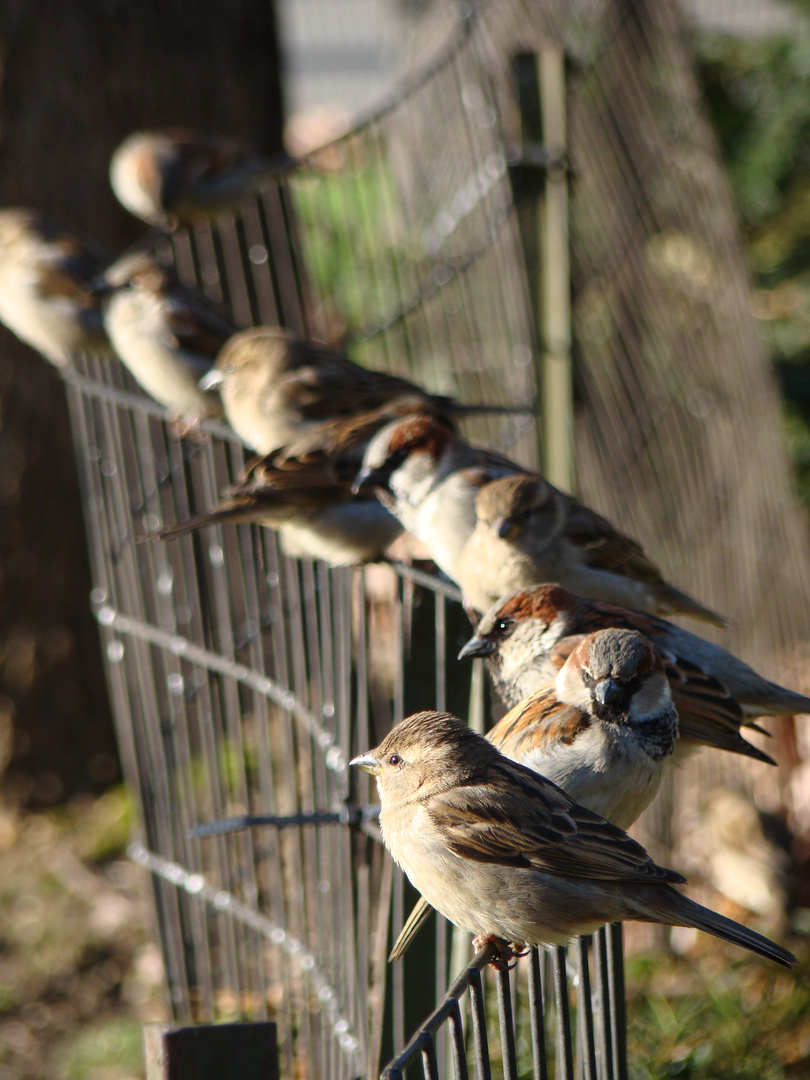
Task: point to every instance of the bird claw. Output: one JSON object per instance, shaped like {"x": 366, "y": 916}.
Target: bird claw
{"x": 507, "y": 954}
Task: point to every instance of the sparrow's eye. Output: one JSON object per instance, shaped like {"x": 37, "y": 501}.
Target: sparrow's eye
{"x": 504, "y": 626}
{"x": 395, "y": 760}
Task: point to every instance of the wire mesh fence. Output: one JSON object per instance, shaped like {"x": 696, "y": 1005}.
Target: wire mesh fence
{"x": 243, "y": 681}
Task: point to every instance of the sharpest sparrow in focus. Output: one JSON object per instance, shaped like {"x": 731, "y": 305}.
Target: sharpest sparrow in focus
{"x": 275, "y": 387}
{"x": 46, "y": 277}
{"x": 603, "y": 729}
{"x": 526, "y": 638}
{"x": 179, "y": 177}
{"x": 304, "y": 491}
{"x": 507, "y": 856}
{"x": 492, "y": 527}
{"x": 166, "y": 334}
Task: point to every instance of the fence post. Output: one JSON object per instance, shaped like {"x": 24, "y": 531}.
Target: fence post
{"x": 212, "y": 1052}
{"x": 540, "y": 183}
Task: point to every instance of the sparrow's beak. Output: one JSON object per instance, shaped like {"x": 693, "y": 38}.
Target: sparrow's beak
{"x": 369, "y": 479}
{"x": 100, "y": 286}
{"x": 504, "y": 528}
{"x": 212, "y": 379}
{"x": 368, "y": 763}
{"x": 477, "y": 646}
{"x": 609, "y": 692}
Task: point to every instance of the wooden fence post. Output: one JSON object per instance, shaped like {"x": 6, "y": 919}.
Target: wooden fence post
{"x": 540, "y": 182}
{"x": 212, "y": 1052}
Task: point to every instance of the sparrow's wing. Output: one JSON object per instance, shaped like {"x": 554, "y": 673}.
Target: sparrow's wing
{"x": 513, "y": 817}
{"x": 603, "y": 547}
{"x": 540, "y": 719}
{"x": 198, "y": 328}
{"x": 707, "y": 712}
{"x": 324, "y": 384}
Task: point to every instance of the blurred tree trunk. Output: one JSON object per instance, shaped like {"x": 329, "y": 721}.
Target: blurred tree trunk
{"x": 75, "y": 79}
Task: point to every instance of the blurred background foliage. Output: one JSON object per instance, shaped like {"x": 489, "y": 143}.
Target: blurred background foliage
{"x": 757, "y": 89}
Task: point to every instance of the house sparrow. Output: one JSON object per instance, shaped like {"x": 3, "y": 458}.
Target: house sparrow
{"x": 304, "y": 491}
{"x": 507, "y": 856}
{"x": 178, "y": 177}
{"x": 527, "y": 636}
{"x": 604, "y": 730}
{"x": 46, "y": 275}
{"x": 275, "y": 387}
{"x": 166, "y": 334}
{"x": 492, "y": 527}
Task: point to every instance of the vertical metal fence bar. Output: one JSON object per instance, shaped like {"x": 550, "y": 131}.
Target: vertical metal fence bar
{"x": 618, "y": 1013}
{"x": 458, "y": 1049}
{"x": 565, "y": 1055}
{"x": 602, "y": 1004}
{"x": 478, "y": 1020}
{"x": 585, "y": 1012}
{"x": 537, "y": 1017}
{"x": 506, "y": 1022}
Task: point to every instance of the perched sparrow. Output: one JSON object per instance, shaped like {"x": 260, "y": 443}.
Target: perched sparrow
{"x": 492, "y": 527}
{"x": 178, "y": 177}
{"x": 527, "y": 636}
{"x": 304, "y": 491}
{"x": 604, "y": 730}
{"x": 509, "y": 857}
{"x": 166, "y": 334}
{"x": 275, "y": 387}
{"x": 46, "y": 275}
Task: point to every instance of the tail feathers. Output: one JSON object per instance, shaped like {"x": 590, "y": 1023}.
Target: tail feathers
{"x": 459, "y": 409}
{"x": 675, "y": 602}
{"x": 413, "y": 924}
{"x": 234, "y": 511}
{"x": 686, "y": 912}
{"x": 775, "y": 700}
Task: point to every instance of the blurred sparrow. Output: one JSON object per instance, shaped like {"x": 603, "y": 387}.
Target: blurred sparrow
{"x": 178, "y": 177}
{"x": 493, "y": 528}
{"x": 304, "y": 491}
{"x": 46, "y": 275}
{"x": 507, "y": 856}
{"x": 166, "y": 334}
{"x": 527, "y": 636}
{"x": 275, "y": 387}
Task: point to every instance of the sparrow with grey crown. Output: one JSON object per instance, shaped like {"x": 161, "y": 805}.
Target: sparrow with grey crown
{"x": 492, "y": 527}
{"x": 507, "y": 856}
{"x": 526, "y": 638}
{"x": 168, "y": 335}
{"x": 275, "y": 387}
{"x": 46, "y": 286}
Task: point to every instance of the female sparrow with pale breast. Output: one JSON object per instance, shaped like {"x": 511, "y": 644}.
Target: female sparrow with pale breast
{"x": 46, "y": 279}
{"x": 275, "y": 387}
{"x": 527, "y": 636}
{"x": 168, "y": 335}
{"x": 493, "y": 527}
{"x": 179, "y": 177}
{"x": 507, "y": 856}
